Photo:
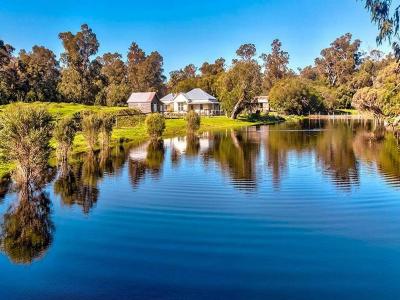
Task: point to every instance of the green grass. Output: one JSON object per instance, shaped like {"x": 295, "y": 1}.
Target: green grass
{"x": 137, "y": 133}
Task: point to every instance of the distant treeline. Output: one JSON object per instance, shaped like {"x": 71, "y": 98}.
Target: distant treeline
{"x": 341, "y": 77}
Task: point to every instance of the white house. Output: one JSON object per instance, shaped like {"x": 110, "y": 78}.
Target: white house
{"x": 197, "y": 100}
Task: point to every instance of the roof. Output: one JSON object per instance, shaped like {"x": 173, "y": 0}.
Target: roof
{"x": 141, "y": 97}
{"x": 199, "y": 94}
{"x": 168, "y": 98}
{"x": 262, "y": 99}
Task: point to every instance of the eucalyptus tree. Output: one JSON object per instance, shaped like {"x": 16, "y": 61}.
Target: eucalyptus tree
{"x": 79, "y": 72}
{"x": 275, "y": 65}
{"x": 241, "y": 84}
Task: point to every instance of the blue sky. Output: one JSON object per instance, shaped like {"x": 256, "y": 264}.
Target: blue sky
{"x": 190, "y": 31}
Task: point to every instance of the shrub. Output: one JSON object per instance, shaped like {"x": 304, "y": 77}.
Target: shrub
{"x": 90, "y": 128}
{"x": 295, "y": 96}
{"x": 107, "y": 122}
{"x": 155, "y": 125}
{"x": 25, "y": 133}
{"x": 193, "y": 121}
{"x": 64, "y": 134}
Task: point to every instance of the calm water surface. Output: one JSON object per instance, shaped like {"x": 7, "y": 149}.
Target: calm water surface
{"x": 301, "y": 211}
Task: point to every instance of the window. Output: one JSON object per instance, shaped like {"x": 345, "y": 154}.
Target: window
{"x": 201, "y": 106}
{"x": 155, "y": 107}
{"x": 180, "y": 106}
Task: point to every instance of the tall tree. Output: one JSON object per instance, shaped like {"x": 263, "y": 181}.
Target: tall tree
{"x": 338, "y": 62}
{"x": 79, "y": 74}
{"x": 145, "y": 72}
{"x": 246, "y": 51}
{"x": 275, "y": 65}
{"x": 40, "y": 71}
{"x": 114, "y": 87}
{"x": 8, "y": 73}
{"x": 239, "y": 86}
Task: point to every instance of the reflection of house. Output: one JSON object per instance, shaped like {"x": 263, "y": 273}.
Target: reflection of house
{"x": 181, "y": 144}
{"x": 145, "y": 102}
{"x": 197, "y": 100}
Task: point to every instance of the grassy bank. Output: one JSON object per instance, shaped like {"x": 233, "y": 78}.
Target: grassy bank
{"x": 137, "y": 133}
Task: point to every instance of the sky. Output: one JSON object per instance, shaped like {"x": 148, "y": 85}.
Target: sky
{"x": 187, "y": 32}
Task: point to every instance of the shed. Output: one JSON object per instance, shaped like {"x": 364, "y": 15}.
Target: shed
{"x": 146, "y": 102}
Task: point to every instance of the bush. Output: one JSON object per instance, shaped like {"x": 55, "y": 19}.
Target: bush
{"x": 90, "y": 128}
{"x": 155, "y": 125}
{"x": 25, "y": 133}
{"x": 107, "y": 122}
{"x": 295, "y": 96}
{"x": 193, "y": 121}
{"x": 64, "y": 134}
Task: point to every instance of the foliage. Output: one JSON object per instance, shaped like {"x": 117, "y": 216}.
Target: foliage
{"x": 90, "y": 128}
{"x": 275, "y": 65}
{"x": 295, "y": 96}
{"x": 155, "y": 125}
{"x": 25, "y": 133}
{"x": 107, "y": 122}
{"x": 145, "y": 72}
{"x": 338, "y": 62}
{"x": 64, "y": 134}
{"x": 387, "y": 19}
{"x": 79, "y": 74}
{"x": 383, "y": 97}
{"x": 238, "y": 87}
{"x": 193, "y": 121}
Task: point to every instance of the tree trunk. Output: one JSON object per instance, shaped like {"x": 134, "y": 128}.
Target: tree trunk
{"x": 237, "y": 110}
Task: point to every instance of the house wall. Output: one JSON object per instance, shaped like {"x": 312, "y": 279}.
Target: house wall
{"x": 143, "y": 107}
{"x": 180, "y": 99}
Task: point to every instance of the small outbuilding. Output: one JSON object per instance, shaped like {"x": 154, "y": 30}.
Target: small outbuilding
{"x": 145, "y": 102}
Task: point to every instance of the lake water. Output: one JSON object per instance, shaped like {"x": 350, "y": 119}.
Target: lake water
{"x": 289, "y": 211}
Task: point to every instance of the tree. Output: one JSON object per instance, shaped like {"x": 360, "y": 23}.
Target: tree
{"x": 383, "y": 97}
{"x": 40, "y": 71}
{"x": 155, "y": 125}
{"x": 387, "y": 18}
{"x": 107, "y": 122}
{"x": 145, "y": 72}
{"x": 295, "y": 96}
{"x": 213, "y": 69}
{"x": 25, "y": 133}
{"x": 64, "y": 134}
{"x": 239, "y": 86}
{"x": 246, "y": 51}
{"x": 193, "y": 121}
{"x": 275, "y": 65}
{"x": 90, "y": 129}
{"x": 338, "y": 62}
{"x": 114, "y": 89}
{"x": 8, "y": 73}
{"x": 78, "y": 76}
{"x": 184, "y": 79}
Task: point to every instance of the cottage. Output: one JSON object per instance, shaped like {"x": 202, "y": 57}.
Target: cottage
{"x": 145, "y": 102}
{"x": 197, "y": 100}
{"x": 262, "y": 104}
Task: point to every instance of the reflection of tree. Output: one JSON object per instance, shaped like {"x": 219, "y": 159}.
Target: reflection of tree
{"x": 335, "y": 153}
{"x": 372, "y": 147}
{"x": 79, "y": 185}
{"x": 279, "y": 143}
{"x": 237, "y": 153}
{"x": 153, "y": 161}
{"x": 27, "y": 230}
{"x": 192, "y": 145}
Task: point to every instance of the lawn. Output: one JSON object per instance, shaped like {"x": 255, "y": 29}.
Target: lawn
{"x": 138, "y": 133}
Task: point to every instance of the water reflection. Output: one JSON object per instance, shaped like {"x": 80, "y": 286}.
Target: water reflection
{"x": 147, "y": 158}
{"x": 27, "y": 229}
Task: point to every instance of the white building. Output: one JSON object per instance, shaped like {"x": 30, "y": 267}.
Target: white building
{"x": 197, "y": 100}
